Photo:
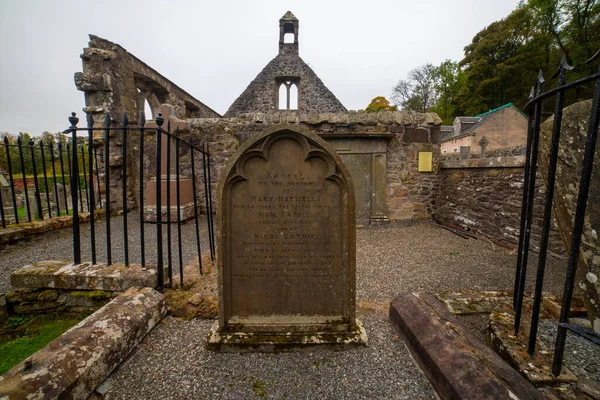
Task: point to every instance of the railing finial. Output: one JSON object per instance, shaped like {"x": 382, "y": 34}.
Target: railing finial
{"x": 564, "y": 66}
{"x": 73, "y": 120}
{"x": 159, "y": 119}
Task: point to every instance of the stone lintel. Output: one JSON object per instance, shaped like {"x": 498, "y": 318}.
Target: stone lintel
{"x": 86, "y": 276}
{"x": 273, "y": 342}
{"x": 495, "y": 162}
{"x": 458, "y": 364}
{"x": 76, "y": 362}
{"x": 186, "y": 212}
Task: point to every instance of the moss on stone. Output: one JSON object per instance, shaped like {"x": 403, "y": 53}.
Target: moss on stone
{"x": 92, "y": 294}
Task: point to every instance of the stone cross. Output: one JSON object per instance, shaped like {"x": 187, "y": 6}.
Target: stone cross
{"x": 483, "y": 143}
{"x": 168, "y": 113}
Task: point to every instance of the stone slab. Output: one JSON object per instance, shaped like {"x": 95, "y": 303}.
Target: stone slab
{"x": 239, "y": 342}
{"x": 186, "y": 213}
{"x": 458, "y": 364}
{"x": 537, "y": 368}
{"x": 79, "y": 360}
{"x": 86, "y": 276}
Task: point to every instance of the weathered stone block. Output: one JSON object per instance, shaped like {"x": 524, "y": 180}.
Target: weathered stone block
{"x": 75, "y": 363}
{"x": 63, "y": 275}
{"x": 457, "y": 363}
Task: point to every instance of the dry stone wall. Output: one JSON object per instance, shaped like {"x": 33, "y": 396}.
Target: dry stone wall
{"x": 484, "y": 196}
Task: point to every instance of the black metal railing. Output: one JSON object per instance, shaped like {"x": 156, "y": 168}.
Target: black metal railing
{"x": 534, "y": 108}
{"x": 40, "y": 163}
{"x": 70, "y": 154}
{"x": 125, "y": 130}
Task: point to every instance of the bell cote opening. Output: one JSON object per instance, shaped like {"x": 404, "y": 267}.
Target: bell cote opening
{"x": 288, "y": 33}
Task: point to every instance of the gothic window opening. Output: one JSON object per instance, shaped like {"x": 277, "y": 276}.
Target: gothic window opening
{"x": 288, "y": 96}
{"x": 147, "y": 110}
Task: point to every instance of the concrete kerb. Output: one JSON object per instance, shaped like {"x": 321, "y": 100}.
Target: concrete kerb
{"x": 79, "y": 360}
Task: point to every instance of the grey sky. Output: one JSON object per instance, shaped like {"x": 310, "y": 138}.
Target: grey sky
{"x": 213, "y": 49}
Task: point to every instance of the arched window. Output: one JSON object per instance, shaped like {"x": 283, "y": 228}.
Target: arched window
{"x": 288, "y": 96}
{"x": 147, "y": 110}
{"x": 293, "y": 95}
{"x": 282, "y": 97}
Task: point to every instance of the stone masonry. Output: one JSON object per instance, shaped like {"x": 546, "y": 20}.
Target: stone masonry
{"x": 262, "y": 95}
{"x": 117, "y": 82}
{"x": 484, "y": 196}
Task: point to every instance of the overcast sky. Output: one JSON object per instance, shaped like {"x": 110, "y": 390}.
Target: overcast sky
{"x": 213, "y": 49}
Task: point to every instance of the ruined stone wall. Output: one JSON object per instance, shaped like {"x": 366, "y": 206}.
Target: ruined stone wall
{"x": 117, "y": 82}
{"x": 484, "y": 196}
{"x": 409, "y": 194}
{"x": 574, "y": 130}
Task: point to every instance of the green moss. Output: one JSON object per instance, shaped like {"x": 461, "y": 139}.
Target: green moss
{"x": 92, "y": 294}
{"x": 20, "y": 337}
{"x": 259, "y": 388}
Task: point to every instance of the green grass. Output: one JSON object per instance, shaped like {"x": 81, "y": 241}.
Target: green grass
{"x": 22, "y": 336}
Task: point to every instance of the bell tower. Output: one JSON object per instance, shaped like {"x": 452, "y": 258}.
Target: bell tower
{"x": 288, "y": 34}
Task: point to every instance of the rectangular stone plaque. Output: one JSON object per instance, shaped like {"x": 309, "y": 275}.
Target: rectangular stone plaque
{"x": 286, "y": 237}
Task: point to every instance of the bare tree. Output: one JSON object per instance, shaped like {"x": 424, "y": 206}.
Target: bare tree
{"x": 417, "y": 93}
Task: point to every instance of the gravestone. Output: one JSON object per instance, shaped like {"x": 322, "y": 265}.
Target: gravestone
{"x": 465, "y": 152}
{"x": 287, "y": 246}
{"x": 5, "y": 192}
{"x": 185, "y": 182}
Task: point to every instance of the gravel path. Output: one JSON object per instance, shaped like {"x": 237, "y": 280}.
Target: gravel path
{"x": 171, "y": 362}
{"x": 58, "y": 245}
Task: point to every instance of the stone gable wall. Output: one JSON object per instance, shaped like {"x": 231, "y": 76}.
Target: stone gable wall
{"x": 262, "y": 93}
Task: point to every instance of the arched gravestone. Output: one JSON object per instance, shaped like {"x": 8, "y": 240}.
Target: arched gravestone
{"x": 286, "y": 246}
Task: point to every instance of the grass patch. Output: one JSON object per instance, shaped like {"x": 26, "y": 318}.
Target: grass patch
{"x": 22, "y": 336}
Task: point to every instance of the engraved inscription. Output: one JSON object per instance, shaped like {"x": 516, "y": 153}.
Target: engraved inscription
{"x": 284, "y": 252}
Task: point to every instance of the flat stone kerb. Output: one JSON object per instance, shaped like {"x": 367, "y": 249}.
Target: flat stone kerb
{"x": 75, "y": 363}
{"x": 86, "y": 276}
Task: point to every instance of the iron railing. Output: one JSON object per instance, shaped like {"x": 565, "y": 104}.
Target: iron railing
{"x": 86, "y": 197}
{"x": 534, "y": 108}
{"x": 41, "y": 158}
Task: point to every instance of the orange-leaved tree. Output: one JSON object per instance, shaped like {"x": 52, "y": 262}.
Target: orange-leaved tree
{"x": 380, "y": 103}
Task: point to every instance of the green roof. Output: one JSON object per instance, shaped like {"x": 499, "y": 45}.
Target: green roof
{"x": 501, "y": 107}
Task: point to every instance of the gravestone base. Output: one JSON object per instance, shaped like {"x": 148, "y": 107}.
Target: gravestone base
{"x": 379, "y": 221}
{"x": 186, "y": 197}
{"x": 187, "y": 213}
{"x": 230, "y": 341}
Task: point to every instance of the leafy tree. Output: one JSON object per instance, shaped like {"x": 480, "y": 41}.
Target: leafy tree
{"x": 380, "y": 103}
{"x": 449, "y": 82}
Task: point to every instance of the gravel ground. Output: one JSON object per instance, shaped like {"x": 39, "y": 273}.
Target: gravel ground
{"x": 172, "y": 363}
{"x": 58, "y": 245}
{"x": 582, "y": 356}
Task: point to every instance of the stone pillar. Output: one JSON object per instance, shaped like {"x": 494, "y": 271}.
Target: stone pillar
{"x": 378, "y": 203}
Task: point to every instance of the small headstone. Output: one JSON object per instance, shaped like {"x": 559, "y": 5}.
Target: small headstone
{"x": 465, "y": 152}
{"x": 483, "y": 143}
{"x": 287, "y": 248}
